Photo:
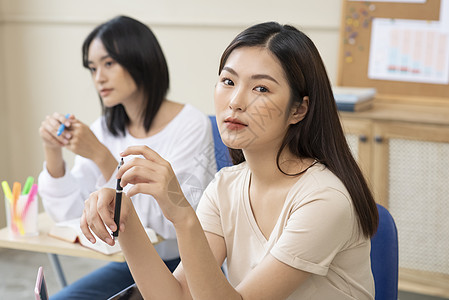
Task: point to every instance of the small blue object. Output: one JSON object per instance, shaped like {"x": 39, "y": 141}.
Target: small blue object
{"x": 222, "y": 157}
{"x": 62, "y": 126}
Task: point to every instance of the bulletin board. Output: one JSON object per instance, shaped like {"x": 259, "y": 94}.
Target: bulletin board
{"x": 355, "y": 38}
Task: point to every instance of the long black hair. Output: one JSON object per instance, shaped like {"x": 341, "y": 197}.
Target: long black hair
{"x": 134, "y": 46}
{"x": 319, "y": 135}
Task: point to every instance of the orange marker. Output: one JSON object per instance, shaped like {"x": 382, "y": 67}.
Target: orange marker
{"x": 15, "y": 195}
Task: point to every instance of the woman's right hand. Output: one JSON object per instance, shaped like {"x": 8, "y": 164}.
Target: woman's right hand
{"x": 78, "y": 138}
{"x": 150, "y": 174}
{"x": 49, "y": 129}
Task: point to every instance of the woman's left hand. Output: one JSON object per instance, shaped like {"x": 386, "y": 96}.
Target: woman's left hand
{"x": 99, "y": 212}
{"x": 153, "y": 175}
{"x": 82, "y": 140}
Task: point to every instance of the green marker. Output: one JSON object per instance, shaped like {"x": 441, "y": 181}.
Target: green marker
{"x": 27, "y": 186}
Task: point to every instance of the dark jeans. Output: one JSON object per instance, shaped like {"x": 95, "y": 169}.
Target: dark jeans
{"x": 103, "y": 282}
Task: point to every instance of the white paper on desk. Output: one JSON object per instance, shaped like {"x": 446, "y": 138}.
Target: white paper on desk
{"x": 70, "y": 231}
{"x": 67, "y": 230}
{"x": 411, "y": 50}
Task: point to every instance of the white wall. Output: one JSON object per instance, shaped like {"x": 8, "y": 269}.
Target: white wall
{"x": 40, "y": 57}
{"x": 4, "y": 138}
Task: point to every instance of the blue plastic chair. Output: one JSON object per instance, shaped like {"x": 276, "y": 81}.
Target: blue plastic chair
{"x": 221, "y": 151}
{"x": 385, "y": 257}
{"x": 384, "y": 244}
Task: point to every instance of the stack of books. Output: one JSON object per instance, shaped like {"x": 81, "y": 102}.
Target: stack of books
{"x": 353, "y": 98}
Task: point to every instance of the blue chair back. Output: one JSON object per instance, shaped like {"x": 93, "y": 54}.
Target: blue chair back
{"x": 384, "y": 256}
{"x": 221, "y": 151}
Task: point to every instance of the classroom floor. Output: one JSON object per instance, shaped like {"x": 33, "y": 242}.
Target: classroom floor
{"x": 18, "y": 270}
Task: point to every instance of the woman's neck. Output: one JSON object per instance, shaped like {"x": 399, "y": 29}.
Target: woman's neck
{"x": 263, "y": 166}
{"x": 166, "y": 113}
{"x": 265, "y": 170}
{"x": 134, "y": 110}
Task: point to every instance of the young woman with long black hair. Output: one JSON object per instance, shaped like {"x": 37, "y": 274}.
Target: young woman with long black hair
{"x": 293, "y": 217}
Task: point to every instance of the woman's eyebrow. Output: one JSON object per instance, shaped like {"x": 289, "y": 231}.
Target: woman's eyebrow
{"x": 101, "y": 59}
{"x": 255, "y": 76}
{"x": 230, "y": 70}
{"x": 264, "y": 76}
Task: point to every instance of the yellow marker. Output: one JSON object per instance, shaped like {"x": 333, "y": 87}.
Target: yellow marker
{"x": 19, "y": 223}
{"x": 7, "y": 191}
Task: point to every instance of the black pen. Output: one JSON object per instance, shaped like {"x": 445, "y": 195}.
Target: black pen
{"x": 118, "y": 202}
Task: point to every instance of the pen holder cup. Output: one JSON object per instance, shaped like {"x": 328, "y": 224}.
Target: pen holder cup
{"x": 21, "y": 217}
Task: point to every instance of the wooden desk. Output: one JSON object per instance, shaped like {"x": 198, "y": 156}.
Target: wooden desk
{"x": 52, "y": 246}
{"x": 47, "y": 244}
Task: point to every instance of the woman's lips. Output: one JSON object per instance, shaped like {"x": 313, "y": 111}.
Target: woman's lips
{"x": 234, "y": 124}
{"x": 105, "y": 92}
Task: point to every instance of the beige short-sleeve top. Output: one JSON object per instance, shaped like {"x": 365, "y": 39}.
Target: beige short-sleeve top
{"x": 317, "y": 232}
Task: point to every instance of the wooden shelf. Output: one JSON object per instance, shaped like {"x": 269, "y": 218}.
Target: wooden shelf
{"x": 422, "y": 282}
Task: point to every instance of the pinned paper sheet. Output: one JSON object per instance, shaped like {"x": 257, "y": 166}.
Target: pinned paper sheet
{"x": 411, "y": 50}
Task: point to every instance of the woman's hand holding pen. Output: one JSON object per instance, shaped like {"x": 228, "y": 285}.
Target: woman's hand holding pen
{"x": 53, "y": 142}
{"x": 153, "y": 175}
{"x": 82, "y": 141}
{"x": 59, "y": 131}
{"x": 99, "y": 210}
{"x": 49, "y": 130}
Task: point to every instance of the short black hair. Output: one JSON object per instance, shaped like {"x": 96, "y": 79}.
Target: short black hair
{"x": 133, "y": 45}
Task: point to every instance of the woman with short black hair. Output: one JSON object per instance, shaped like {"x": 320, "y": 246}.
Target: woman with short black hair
{"x": 130, "y": 74}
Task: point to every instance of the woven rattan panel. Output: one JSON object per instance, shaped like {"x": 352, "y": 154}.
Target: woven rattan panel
{"x": 353, "y": 142}
{"x": 419, "y": 203}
